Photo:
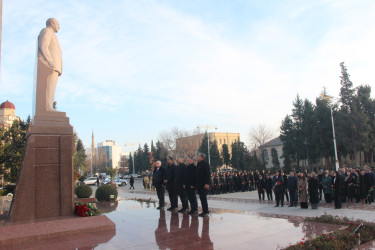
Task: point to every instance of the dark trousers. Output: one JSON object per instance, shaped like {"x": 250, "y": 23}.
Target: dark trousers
{"x": 279, "y": 196}
{"x": 338, "y": 201}
{"x": 160, "y": 190}
{"x": 183, "y": 198}
{"x": 293, "y": 197}
{"x": 327, "y": 197}
{"x": 261, "y": 193}
{"x": 203, "y": 197}
{"x": 269, "y": 194}
{"x": 192, "y": 195}
{"x": 173, "y": 198}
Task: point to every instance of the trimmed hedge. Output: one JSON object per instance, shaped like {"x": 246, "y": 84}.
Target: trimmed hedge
{"x": 104, "y": 192}
{"x": 83, "y": 191}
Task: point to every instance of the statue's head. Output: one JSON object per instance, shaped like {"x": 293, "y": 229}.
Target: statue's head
{"x": 53, "y": 23}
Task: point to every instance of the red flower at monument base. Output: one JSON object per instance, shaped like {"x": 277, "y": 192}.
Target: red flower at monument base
{"x": 80, "y": 210}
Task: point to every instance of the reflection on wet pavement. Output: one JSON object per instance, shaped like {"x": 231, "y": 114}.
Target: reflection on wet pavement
{"x": 139, "y": 225}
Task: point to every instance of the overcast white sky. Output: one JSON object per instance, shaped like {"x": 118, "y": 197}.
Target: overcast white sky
{"x": 134, "y": 68}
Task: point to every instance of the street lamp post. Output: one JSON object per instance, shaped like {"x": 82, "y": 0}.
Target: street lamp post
{"x": 207, "y": 127}
{"x": 326, "y": 97}
{"x": 334, "y": 140}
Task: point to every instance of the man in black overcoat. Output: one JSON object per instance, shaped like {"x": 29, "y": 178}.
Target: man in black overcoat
{"x": 171, "y": 178}
{"x": 158, "y": 180}
{"x": 203, "y": 182}
{"x": 180, "y": 184}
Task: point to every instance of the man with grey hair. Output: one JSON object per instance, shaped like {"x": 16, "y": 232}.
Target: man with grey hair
{"x": 203, "y": 182}
{"x": 158, "y": 180}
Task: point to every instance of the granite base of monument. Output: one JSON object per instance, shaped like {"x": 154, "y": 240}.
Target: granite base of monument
{"x": 45, "y": 183}
{"x": 65, "y": 233}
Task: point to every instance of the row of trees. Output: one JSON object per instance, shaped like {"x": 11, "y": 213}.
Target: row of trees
{"x": 307, "y": 132}
{"x": 240, "y": 157}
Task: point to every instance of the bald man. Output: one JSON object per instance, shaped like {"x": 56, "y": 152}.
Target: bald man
{"x": 49, "y": 53}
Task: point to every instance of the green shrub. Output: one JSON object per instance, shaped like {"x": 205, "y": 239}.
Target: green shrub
{"x": 103, "y": 193}
{"x": 83, "y": 191}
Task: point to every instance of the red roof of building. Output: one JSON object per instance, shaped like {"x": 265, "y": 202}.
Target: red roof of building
{"x": 7, "y": 105}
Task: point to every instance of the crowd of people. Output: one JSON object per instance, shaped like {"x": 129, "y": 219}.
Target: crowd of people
{"x": 186, "y": 180}
{"x": 354, "y": 185}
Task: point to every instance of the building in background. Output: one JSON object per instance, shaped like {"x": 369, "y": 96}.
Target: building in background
{"x": 277, "y": 144}
{"x": 188, "y": 146}
{"x": 109, "y": 153}
{"x": 7, "y": 114}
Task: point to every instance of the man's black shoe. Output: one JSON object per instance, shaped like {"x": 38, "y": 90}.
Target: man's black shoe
{"x": 160, "y": 207}
{"x": 193, "y": 212}
{"x": 169, "y": 209}
{"x": 203, "y": 214}
{"x": 290, "y": 206}
{"x": 276, "y": 205}
{"x": 182, "y": 210}
{"x": 174, "y": 209}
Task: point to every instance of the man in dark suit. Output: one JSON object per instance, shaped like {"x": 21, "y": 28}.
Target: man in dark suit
{"x": 158, "y": 180}
{"x": 203, "y": 182}
{"x": 191, "y": 185}
{"x": 180, "y": 184}
{"x": 171, "y": 175}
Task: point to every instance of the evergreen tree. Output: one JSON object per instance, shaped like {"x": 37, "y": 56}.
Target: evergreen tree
{"x": 12, "y": 144}
{"x": 299, "y": 137}
{"x": 203, "y": 148}
{"x": 215, "y": 158}
{"x": 240, "y": 156}
{"x": 287, "y": 132}
{"x": 130, "y": 163}
{"x": 235, "y": 159}
{"x": 138, "y": 160}
{"x": 146, "y": 158}
{"x": 79, "y": 156}
{"x": 346, "y": 90}
{"x": 226, "y": 155}
{"x": 161, "y": 153}
{"x": 275, "y": 158}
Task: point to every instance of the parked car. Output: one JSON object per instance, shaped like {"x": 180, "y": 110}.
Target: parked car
{"x": 136, "y": 175}
{"x": 126, "y": 176}
{"x": 117, "y": 181}
{"x": 90, "y": 181}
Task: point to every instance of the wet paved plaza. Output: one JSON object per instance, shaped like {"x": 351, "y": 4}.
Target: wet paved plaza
{"x": 139, "y": 225}
{"x": 236, "y": 221}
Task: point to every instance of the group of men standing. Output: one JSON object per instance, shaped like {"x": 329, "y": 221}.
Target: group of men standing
{"x": 183, "y": 181}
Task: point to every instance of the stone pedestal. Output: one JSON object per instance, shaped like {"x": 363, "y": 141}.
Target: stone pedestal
{"x": 45, "y": 183}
